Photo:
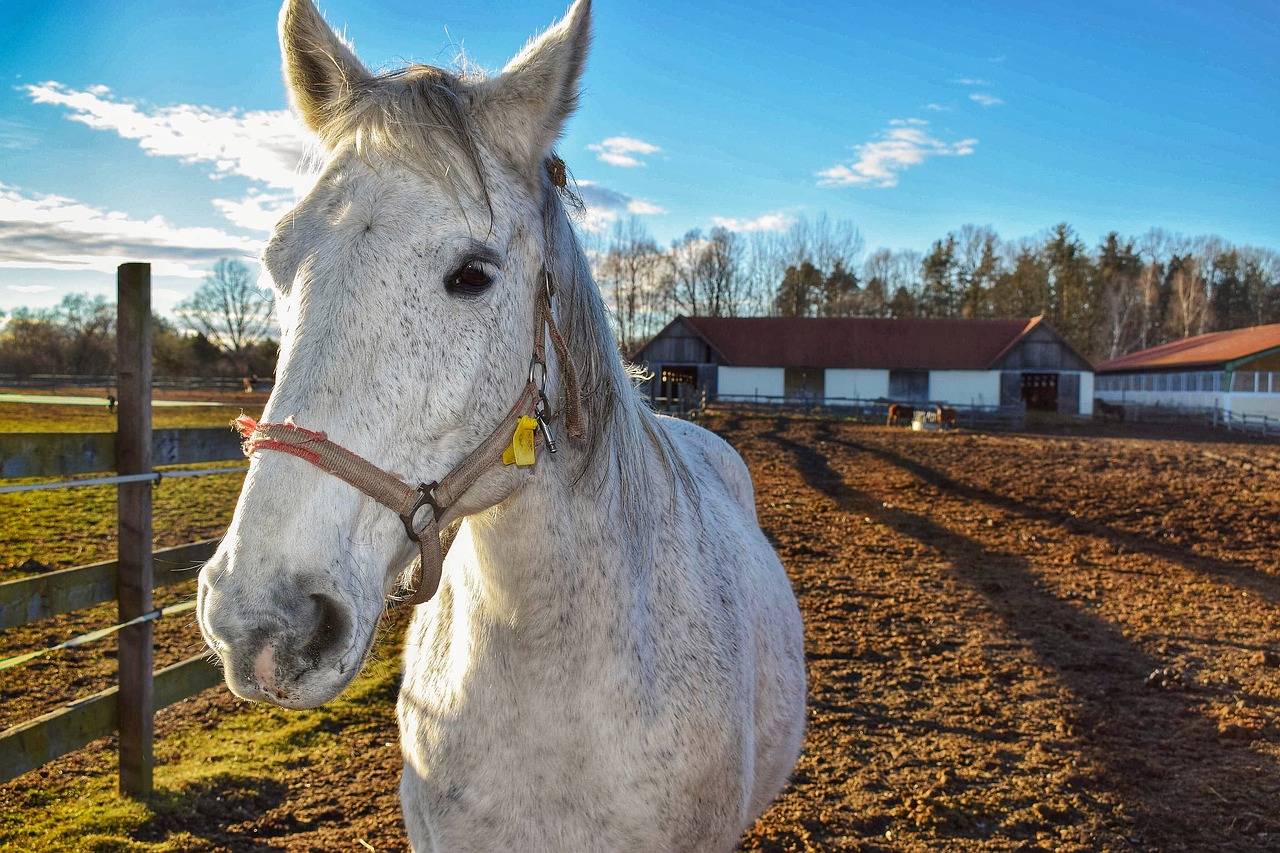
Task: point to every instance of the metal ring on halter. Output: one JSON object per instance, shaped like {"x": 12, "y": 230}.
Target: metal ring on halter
{"x": 535, "y": 362}
{"x": 426, "y": 497}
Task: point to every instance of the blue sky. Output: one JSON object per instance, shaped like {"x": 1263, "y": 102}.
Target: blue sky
{"x": 159, "y": 130}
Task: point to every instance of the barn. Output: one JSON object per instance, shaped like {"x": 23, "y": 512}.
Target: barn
{"x": 1236, "y": 372}
{"x": 831, "y": 360}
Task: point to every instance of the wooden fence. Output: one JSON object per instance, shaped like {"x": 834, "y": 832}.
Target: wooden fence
{"x": 132, "y": 451}
{"x": 1267, "y": 426}
{"x": 105, "y": 382}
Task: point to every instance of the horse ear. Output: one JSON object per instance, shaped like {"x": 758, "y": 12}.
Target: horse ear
{"x": 320, "y": 69}
{"x": 525, "y": 107}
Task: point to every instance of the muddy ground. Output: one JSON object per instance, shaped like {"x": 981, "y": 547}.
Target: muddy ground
{"x": 1015, "y": 642}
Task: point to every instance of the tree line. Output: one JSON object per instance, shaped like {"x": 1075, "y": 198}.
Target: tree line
{"x": 224, "y": 329}
{"x": 1122, "y": 295}
{"x": 1125, "y": 294}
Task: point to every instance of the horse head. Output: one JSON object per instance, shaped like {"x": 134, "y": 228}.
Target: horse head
{"x": 407, "y": 283}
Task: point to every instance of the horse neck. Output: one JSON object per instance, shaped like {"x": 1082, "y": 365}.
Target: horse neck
{"x": 564, "y": 545}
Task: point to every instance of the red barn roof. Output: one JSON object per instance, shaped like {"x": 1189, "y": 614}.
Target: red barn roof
{"x": 849, "y": 342}
{"x": 1216, "y": 349}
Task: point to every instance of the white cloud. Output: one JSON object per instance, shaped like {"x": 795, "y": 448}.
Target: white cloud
{"x": 262, "y": 145}
{"x": 257, "y": 211}
{"x": 985, "y": 99}
{"x": 905, "y": 143}
{"x": 54, "y": 232}
{"x": 971, "y": 81}
{"x": 623, "y": 151}
{"x": 937, "y": 108}
{"x": 30, "y": 288}
{"x": 604, "y": 206}
{"x": 776, "y": 221}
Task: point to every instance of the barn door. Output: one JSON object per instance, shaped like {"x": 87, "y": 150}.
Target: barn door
{"x": 1069, "y": 393}
{"x": 1010, "y": 388}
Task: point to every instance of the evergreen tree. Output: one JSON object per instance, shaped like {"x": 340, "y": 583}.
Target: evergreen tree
{"x": 840, "y": 292}
{"x": 800, "y": 292}
{"x": 940, "y": 296}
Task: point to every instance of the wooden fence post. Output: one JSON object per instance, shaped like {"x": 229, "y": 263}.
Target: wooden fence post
{"x": 133, "y": 456}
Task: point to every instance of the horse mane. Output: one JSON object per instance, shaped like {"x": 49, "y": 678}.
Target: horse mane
{"x": 619, "y": 423}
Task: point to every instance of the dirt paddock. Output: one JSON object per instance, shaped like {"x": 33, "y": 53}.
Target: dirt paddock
{"x": 1015, "y": 642}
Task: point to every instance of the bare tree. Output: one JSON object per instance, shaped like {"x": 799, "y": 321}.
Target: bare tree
{"x": 231, "y": 311}
{"x": 636, "y": 274}
{"x": 687, "y": 260}
{"x": 722, "y": 264}
{"x": 1188, "y": 312}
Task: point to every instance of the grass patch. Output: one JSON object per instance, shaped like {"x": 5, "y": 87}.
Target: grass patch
{"x": 244, "y": 760}
{"x": 70, "y": 527}
{"x": 34, "y": 417}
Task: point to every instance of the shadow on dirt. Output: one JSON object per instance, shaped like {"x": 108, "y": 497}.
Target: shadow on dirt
{"x": 223, "y": 810}
{"x": 1156, "y": 749}
{"x": 1223, "y": 571}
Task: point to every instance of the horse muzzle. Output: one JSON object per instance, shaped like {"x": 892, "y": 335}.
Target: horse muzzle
{"x": 297, "y": 654}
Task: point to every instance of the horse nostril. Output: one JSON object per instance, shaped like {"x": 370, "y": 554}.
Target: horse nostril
{"x": 331, "y": 628}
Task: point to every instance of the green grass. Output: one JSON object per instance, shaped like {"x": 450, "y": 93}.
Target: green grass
{"x": 208, "y": 759}
{"x": 71, "y": 527}
{"x": 242, "y": 753}
{"x": 32, "y": 417}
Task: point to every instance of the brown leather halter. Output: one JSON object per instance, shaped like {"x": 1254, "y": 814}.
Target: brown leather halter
{"x": 405, "y": 500}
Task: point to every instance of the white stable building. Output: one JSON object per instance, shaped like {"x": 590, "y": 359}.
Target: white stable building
{"x": 986, "y": 363}
{"x": 1236, "y": 372}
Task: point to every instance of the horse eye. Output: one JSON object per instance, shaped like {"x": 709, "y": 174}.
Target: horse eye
{"x": 470, "y": 280}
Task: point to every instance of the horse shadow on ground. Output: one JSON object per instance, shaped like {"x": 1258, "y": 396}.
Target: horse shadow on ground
{"x": 1119, "y": 720}
{"x": 222, "y": 810}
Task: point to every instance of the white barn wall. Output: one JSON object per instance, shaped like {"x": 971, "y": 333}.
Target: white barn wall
{"x": 965, "y": 387}
{"x": 1086, "y": 394}
{"x": 857, "y": 384}
{"x": 745, "y": 382}
{"x": 1253, "y": 404}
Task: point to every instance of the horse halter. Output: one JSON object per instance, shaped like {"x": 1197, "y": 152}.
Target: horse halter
{"x": 407, "y": 501}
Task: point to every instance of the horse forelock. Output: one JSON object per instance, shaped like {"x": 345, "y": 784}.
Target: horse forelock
{"x": 420, "y": 117}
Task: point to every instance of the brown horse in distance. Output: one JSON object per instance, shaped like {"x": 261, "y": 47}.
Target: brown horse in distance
{"x": 899, "y": 412}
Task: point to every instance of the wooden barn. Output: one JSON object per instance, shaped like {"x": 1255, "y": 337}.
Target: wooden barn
{"x": 986, "y": 363}
{"x": 1236, "y": 372}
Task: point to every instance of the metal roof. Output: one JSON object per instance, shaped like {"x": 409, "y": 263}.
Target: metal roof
{"x": 855, "y": 342}
{"x": 1216, "y": 349}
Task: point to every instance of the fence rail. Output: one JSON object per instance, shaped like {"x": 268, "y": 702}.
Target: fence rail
{"x": 54, "y": 381}
{"x": 29, "y": 745}
{"x": 63, "y": 454}
{"x": 53, "y": 594}
{"x": 1267, "y": 426}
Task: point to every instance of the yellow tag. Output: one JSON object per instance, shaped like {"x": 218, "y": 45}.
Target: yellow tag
{"x": 520, "y": 451}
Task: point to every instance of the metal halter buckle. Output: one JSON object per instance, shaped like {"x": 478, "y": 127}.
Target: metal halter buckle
{"x": 426, "y": 497}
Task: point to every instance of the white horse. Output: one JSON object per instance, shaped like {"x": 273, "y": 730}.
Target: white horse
{"x": 613, "y": 660}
